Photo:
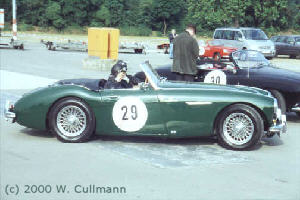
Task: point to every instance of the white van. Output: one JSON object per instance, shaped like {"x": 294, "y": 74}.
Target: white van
{"x": 246, "y": 38}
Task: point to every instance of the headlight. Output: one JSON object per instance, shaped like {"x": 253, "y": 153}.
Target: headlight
{"x": 225, "y": 51}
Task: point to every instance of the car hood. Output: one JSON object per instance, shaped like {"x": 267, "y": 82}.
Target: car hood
{"x": 278, "y": 74}
{"x": 260, "y": 42}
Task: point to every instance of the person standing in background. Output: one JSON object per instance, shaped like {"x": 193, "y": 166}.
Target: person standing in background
{"x": 172, "y": 36}
{"x": 186, "y": 52}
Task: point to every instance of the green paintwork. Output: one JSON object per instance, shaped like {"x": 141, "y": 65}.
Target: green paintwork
{"x": 168, "y": 113}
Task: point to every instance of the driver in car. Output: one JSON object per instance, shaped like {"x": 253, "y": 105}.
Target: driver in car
{"x": 119, "y": 79}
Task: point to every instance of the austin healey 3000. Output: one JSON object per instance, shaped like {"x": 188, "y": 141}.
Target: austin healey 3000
{"x": 75, "y": 109}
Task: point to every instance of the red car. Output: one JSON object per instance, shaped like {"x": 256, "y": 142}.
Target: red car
{"x": 213, "y": 49}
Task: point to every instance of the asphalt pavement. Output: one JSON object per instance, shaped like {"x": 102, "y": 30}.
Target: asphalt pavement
{"x": 35, "y": 165}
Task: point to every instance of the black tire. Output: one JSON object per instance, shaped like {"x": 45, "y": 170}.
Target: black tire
{"x": 252, "y": 121}
{"x": 280, "y": 100}
{"x": 84, "y": 120}
{"x": 217, "y": 56}
{"x": 21, "y": 47}
{"x": 293, "y": 56}
{"x": 298, "y": 114}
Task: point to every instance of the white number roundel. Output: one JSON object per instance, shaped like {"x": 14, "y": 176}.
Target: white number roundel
{"x": 216, "y": 77}
{"x": 130, "y": 114}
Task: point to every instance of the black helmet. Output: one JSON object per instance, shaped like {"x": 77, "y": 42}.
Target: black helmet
{"x": 120, "y": 66}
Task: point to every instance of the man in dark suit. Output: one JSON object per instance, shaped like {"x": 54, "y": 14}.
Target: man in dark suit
{"x": 186, "y": 52}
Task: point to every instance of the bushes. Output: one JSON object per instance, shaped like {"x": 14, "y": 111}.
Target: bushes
{"x": 25, "y": 27}
{"x": 135, "y": 31}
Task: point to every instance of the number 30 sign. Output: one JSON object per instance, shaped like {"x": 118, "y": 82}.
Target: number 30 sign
{"x": 130, "y": 114}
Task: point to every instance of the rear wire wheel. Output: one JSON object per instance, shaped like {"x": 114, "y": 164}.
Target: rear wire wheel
{"x": 72, "y": 120}
{"x": 239, "y": 127}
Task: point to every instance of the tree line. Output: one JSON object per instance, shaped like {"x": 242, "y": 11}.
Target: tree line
{"x": 145, "y": 16}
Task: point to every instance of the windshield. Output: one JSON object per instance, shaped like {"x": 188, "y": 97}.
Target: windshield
{"x": 249, "y": 59}
{"x": 254, "y": 34}
{"x": 151, "y": 75}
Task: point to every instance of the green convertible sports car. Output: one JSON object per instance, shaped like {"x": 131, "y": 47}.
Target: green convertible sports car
{"x": 76, "y": 109}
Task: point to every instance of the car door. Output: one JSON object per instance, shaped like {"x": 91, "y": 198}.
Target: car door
{"x": 292, "y": 48}
{"x": 130, "y": 112}
{"x": 280, "y": 45}
{"x": 186, "y": 112}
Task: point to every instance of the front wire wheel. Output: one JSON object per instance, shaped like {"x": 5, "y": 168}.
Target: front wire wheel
{"x": 239, "y": 127}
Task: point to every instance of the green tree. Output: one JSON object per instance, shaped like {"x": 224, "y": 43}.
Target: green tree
{"x": 53, "y": 15}
{"x": 166, "y": 13}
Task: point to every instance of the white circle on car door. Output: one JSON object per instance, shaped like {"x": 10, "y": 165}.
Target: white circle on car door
{"x": 130, "y": 114}
{"x": 216, "y": 77}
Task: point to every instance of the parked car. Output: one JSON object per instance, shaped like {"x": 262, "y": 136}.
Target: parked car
{"x": 214, "y": 49}
{"x": 165, "y": 47}
{"x": 287, "y": 45}
{"x": 246, "y": 38}
{"x": 249, "y": 68}
{"x": 75, "y": 109}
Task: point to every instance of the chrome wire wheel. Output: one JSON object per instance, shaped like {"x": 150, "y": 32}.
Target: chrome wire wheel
{"x": 71, "y": 121}
{"x": 238, "y": 128}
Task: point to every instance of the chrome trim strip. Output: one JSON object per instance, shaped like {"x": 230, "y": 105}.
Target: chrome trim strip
{"x": 194, "y": 103}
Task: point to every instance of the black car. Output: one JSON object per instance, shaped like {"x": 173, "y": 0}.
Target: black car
{"x": 248, "y": 68}
{"x": 287, "y": 45}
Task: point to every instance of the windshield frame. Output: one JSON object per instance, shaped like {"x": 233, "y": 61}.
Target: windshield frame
{"x": 252, "y": 59}
{"x": 151, "y": 75}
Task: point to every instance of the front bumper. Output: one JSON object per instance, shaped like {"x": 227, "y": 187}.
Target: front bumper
{"x": 279, "y": 124}
{"x": 268, "y": 54}
{"x": 9, "y": 114}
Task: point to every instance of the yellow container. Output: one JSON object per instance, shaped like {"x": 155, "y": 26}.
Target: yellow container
{"x": 103, "y": 42}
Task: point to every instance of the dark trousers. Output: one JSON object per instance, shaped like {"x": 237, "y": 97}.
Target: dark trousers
{"x": 185, "y": 77}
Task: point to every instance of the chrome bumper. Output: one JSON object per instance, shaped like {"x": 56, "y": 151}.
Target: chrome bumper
{"x": 279, "y": 124}
{"x": 296, "y": 108}
{"x": 9, "y": 115}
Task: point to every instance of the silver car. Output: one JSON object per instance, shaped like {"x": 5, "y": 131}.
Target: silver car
{"x": 246, "y": 38}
